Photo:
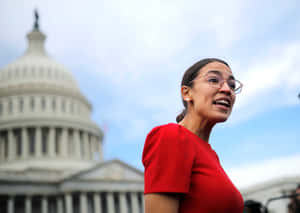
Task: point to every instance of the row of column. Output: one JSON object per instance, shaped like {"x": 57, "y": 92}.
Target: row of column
{"x": 45, "y": 104}
{"x": 61, "y": 143}
{"x": 65, "y": 204}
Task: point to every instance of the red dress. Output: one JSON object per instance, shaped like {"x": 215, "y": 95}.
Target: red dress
{"x": 178, "y": 161}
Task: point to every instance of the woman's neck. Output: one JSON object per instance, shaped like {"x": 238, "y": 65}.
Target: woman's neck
{"x": 199, "y": 126}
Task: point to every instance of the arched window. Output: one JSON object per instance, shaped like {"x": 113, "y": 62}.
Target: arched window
{"x": 32, "y": 104}
{"x": 31, "y": 137}
{"x": 72, "y": 107}
{"x": 53, "y": 104}
{"x": 45, "y": 136}
{"x": 70, "y": 142}
{"x": 43, "y": 103}
{"x": 21, "y": 105}
{"x": 18, "y": 140}
{"x": 58, "y": 133}
{"x": 81, "y": 144}
{"x": 63, "y": 106}
{"x": 10, "y": 106}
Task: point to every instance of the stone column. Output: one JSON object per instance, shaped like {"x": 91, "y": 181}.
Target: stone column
{"x": 38, "y": 141}
{"x": 63, "y": 143}
{"x": 143, "y": 201}
{"x": 51, "y": 142}
{"x": 2, "y": 157}
{"x": 123, "y": 203}
{"x": 76, "y": 143}
{"x": 11, "y": 145}
{"x": 25, "y": 145}
{"x": 134, "y": 202}
{"x": 91, "y": 150}
{"x": 28, "y": 204}
{"x": 83, "y": 202}
{"x": 10, "y": 204}
{"x": 59, "y": 205}
{"x": 44, "y": 204}
{"x": 69, "y": 203}
{"x": 97, "y": 203}
{"x": 110, "y": 202}
{"x": 92, "y": 147}
{"x": 86, "y": 146}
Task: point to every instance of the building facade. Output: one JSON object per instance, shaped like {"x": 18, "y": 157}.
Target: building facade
{"x": 50, "y": 149}
{"x": 278, "y": 189}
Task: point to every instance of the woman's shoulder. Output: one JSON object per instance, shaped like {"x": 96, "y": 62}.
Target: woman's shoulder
{"x": 167, "y": 130}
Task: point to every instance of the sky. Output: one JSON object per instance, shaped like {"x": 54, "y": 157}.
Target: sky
{"x": 128, "y": 58}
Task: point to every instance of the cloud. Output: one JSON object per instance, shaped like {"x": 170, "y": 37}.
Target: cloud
{"x": 272, "y": 82}
{"x": 248, "y": 176}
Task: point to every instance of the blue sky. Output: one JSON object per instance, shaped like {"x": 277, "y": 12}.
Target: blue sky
{"x": 129, "y": 56}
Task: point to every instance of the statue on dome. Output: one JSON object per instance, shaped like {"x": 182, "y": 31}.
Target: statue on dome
{"x": 36, "y": 22}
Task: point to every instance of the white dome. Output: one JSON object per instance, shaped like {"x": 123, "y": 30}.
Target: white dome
{"x": 36, "y": 67}
{"x": 44, "y": 118}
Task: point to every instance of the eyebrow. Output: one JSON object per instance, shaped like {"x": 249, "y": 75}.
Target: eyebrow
{"x": 217, "y": 72}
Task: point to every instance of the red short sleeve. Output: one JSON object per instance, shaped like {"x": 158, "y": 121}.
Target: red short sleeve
{"x": 168, "y": 160}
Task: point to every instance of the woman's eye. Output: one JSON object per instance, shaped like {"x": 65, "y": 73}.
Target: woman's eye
{"x": 232, "y": 84}
{"x": 214, "y": 80}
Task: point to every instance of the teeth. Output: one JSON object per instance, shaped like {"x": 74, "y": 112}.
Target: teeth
{"x": 223, "y": 102}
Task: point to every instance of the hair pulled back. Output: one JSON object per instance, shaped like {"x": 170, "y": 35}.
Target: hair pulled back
{"x": 188, "y": 77}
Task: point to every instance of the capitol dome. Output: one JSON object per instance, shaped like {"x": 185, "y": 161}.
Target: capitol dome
{"x": 35, "y": 67}
{"x": 50, "y": 149}
{"x": 45, "y": 121}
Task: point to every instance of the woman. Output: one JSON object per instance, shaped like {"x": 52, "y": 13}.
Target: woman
{"x": 182, "y": 171}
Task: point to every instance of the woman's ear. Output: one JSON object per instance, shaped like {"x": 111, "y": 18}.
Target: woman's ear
{"x": 186, "y": 93}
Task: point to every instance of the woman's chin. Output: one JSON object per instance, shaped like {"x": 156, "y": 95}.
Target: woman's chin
{"x": 220, "y": 118}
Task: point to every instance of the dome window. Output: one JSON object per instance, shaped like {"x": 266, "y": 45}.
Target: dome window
{"x": 63, "y": 106}
{"x": 45, "y": 136}
{"x": 32, "y": 104}
{"x": 10, "y": 106}
{"x": 31, "y": 137}
{"x": 72, "y": 108}
{"x": 21, "y": 104}
{"x": 53, "y": 104}
{"x": 43, "y": 103}
{"x": 58, "y": 134}
{"x": 18, "y": 140}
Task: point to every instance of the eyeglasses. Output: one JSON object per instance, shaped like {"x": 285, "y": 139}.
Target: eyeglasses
{"x": 216, "y": 80}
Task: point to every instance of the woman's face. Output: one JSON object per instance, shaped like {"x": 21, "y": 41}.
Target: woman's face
{"x": 208, "y": 98}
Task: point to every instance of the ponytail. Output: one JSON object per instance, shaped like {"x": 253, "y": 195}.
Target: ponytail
{"x": 181, "y": 116}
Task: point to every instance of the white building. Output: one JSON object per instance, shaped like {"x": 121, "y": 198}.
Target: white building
{"x": 273, "y": 189}
{"x": 50, "y": 149}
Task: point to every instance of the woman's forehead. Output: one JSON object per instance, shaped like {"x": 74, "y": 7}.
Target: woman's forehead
{"x": 217, "y": 66}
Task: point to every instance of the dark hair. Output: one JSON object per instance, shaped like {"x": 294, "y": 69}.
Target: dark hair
{"x": 188, "y": 77}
